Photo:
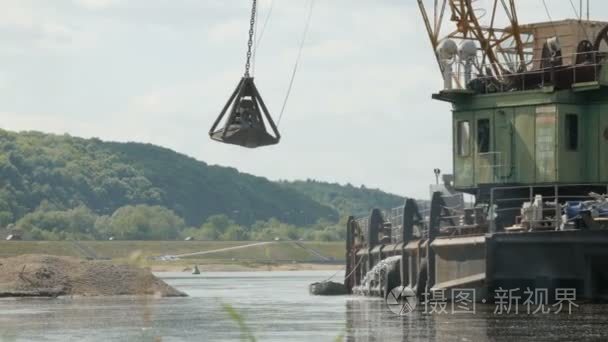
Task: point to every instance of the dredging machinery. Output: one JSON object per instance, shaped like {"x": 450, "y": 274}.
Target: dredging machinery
{"x": 526, "y": 206}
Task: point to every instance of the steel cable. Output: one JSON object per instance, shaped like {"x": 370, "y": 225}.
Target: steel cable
{"x": 297, "y": 63}
{"x": 258, "y": 38}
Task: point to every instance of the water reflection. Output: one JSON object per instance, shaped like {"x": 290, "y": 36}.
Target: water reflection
{"x": 370, "y": 321}
{"x": 276, "y": 307}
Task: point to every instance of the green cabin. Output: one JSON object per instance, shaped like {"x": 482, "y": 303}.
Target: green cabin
{"x": 531, "y": 137}
{"x": 548, "y": 125}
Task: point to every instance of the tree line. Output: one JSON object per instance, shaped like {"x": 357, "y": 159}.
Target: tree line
{"x": 63, "y": 187}
{"x": 70, "y": 172}
{"x": 146, "y": 222}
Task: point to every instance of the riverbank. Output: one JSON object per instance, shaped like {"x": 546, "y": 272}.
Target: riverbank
{"x": 210, "y": 256}
{"x": 52, "y": 276}
{"x": 244, "y": 267}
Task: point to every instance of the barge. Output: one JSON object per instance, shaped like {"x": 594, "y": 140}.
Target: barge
{"x": 526, "y": 207}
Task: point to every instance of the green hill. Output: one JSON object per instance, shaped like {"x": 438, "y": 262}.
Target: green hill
{"x": 63, "y": 187}
{"x": 346, "y": 199}
{"x": 63, "y": 172}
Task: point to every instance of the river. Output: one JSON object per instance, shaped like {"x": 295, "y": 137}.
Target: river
{"x": 275, "y": 306}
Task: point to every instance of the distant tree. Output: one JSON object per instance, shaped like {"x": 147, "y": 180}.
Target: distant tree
{"x": 103, "y": 226}
{"x": 323, "y": 236}
{"x": 273, "y": 228}
{"x": 235, "y": 233}
{"x": 6, "y": 217}
{"x": 77, "y": 223}
{"x": 219, "y": 223}
{"x": 56, "y": 173}
{"x": 203, "y": 233}
{"x": 346, "y": 199}
{"x": 208, "y": 233}
{"x": 144, "y": 222}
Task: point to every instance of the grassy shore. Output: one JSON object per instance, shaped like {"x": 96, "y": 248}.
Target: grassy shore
{"x": 274, "y": 256}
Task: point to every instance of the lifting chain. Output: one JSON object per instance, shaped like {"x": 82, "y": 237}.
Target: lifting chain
{"x": 250, "y": 42}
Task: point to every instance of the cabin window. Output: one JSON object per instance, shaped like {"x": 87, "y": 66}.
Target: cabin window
{"x": 483, "y": 135}
{"x": 464, "y": 137}
{"x": 571, "y": 132}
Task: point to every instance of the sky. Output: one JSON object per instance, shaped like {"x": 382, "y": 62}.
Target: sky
{"x": 160, "y": 71}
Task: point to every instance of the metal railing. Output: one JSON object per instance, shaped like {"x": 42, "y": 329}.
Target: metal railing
{"x": 393, "y": 218}
{"x": 551, "y": 216}
{"x": 530, "y": 79}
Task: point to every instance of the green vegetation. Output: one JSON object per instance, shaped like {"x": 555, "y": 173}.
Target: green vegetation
{"x": 65, "y": 188}
{"x": 220, "y": 227}
{"x": 141, "y": 222}
{"x": 144, "y": 222}
{"x": 239, "y": 319}
{"x": 68, "y": 172}
{"x": 346, "y": 199}
{"x": 123, "y": 250}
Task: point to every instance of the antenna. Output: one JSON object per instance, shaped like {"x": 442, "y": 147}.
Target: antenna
{"x": 437, "y": 173}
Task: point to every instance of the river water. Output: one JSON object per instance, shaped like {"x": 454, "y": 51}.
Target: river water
{"x": 276, "y": 306}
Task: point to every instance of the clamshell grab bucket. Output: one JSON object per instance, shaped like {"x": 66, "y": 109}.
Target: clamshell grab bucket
{"x": 247, "y": 119}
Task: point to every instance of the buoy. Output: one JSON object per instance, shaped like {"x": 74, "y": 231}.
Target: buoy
{"x": 195, "y": 270}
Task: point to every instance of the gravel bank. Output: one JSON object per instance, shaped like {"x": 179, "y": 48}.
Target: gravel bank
{"x": 51, "y": 276}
